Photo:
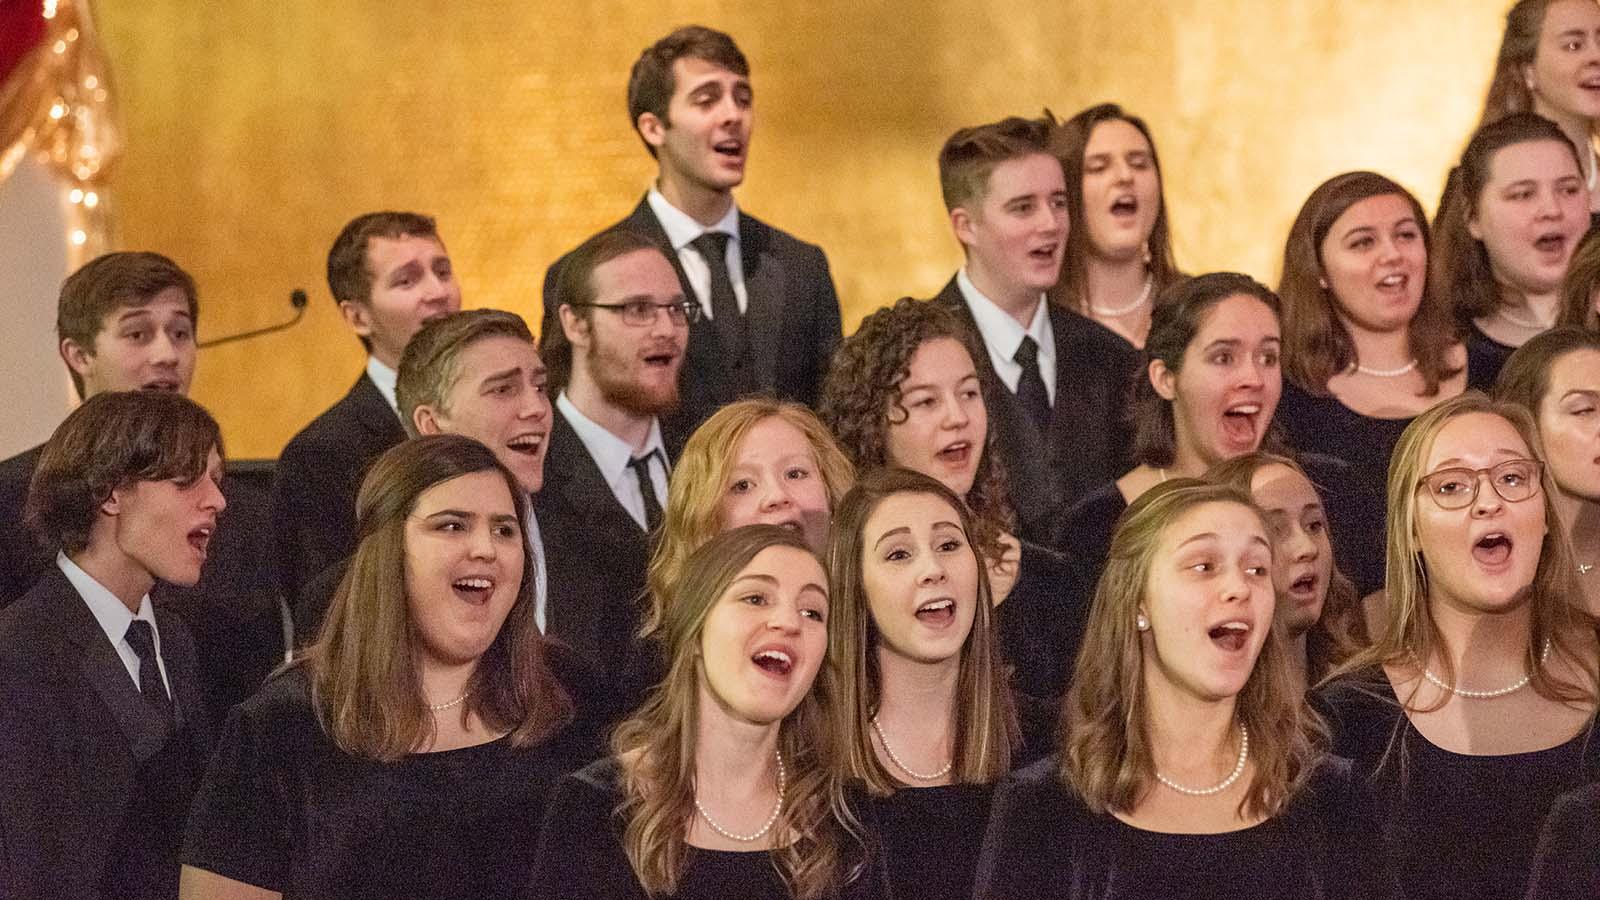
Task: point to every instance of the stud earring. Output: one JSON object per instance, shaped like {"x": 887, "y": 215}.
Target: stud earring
{"x": 1142, "y": 623}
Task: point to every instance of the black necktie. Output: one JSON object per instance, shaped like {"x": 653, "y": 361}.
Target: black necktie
{"x": 1030, "y": 389}
{"x": 652, "y": 507}
{"x": 725, "y": 316}
{"x": 142, "y": 640}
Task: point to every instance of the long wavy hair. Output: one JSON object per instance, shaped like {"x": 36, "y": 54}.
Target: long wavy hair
{"x": 1106, "y": 753}
{"x": 362, "y": 667}
{"x": 1582, "y": 283}
{"x": 1316, "y": 344}
{"x": 1519, "y": 47}
{"x": 985, "y": 719}
{"x": 659, "y": 739}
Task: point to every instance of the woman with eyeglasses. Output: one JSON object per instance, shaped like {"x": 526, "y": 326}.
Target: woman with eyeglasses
{"x": 1474, "y": 708}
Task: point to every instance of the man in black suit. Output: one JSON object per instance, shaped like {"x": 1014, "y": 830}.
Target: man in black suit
{"x": 389, "y": 272}
{"x": 624, "y": 324}
{"x": 103, "y": 737}
{"x": 1055, "y": 382}
{"x": 769, "y": 313}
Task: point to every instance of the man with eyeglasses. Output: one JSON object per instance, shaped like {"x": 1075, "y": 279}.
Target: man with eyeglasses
{"x": 624, "y": 325}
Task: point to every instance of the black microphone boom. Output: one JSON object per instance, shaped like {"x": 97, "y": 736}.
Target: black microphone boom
{"x": 297, "y": 299}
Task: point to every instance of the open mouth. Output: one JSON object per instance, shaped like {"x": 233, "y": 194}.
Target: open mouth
{"x": 1305, "y": 587}
{"x": 1493, "y": 549}
{"x": 474, "y": 590}
{"x": 1230, "y": 636}
{"x": 774, "y": 662}
{"x": 1395, "y": 283}
{"x": 161, "y": 384}
{"x": 200, "y": 539}
{"x": 1239, "y": 423}
{"x": 956, "y": 454}
{"x": 1590, "y": 82}
{"x": 937, "y": 612}
{"x": 730, "y": 148}
{"x": 1125, "y": 206}
{"x": 661, "y": 359}
{"x": 527, "y": 444}
{"x": 1044, "y": 254}
{"x": 1552, "y": 243}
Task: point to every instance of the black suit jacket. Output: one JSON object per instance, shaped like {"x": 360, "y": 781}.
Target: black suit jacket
{"x": 792, "y": 315}
{"x": 318, "y": 475}
{"x": 1090, "y": 439}
{"x": 21, "y": 557}
{"x": 91, "y": 778}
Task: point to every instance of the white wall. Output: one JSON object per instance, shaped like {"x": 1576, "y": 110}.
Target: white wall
{"x": 34, "y": 391}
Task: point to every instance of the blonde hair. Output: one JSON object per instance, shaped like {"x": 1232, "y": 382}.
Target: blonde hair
{"x": 1106, "y": 754}
{"x": 657, "y": 744}
{"x": 985, "y": 717}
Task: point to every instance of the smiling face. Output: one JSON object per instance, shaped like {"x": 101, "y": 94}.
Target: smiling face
{"x": 1375, "y": 262}
{"x": 165, "y": 527}
{"x": 775, "y": 480}
{"x": 1121, "y": 190}
{"x": 1565, "y": 74}
{"x": 1209, "y": 601}
{"x": 1530, "y": 215}
{"x": 499, "y": 400}
{"x": 763, "y": 640}
{"x": 705, "y": 141}
{"x": 921, "y": 577}
{"x": 634, "y": 367}
{"x": 1015, "y": 234}
{"x": 1224, "y": 396}
{"x": 1302, "y": 553}
{"x": 412, "y": 282}
{"x": 945, "y": 424}
{"x": 1569, "y": 424}
{"x": 464, "y": 557}
{"x": 139, "y": 347}
{"x": 1483, "y": 556}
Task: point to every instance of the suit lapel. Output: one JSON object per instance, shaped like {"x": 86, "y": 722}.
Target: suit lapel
{"x": 704, "y": 356}
{"x": 144, "y": 729}
{"x": 586, "y": 490}
{"x": 763, "y": 286}
{"x": 373, "y": 412}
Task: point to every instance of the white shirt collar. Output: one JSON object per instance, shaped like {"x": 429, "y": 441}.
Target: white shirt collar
{"x": 998, "y": 328}
{"x": 681, "y": 228}
{"x": 609, "y": 452}
{"x": 110, "y": 612}
{"x": 384, "y": 379}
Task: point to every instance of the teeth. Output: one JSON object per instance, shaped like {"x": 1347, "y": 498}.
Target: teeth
{"x": 1234, "y": 626}
{"x": 936, "y": 605}
{"x": 1392, "y": 280}
{"x": 1248, "y": 409}
{"x": 777, "y": 655}
{"x": 482, "y": 584}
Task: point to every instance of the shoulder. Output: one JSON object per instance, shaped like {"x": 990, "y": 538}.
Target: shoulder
{"x": 282, "y": 706}
{"x": 1103, "y": 504}
{"x": 35, "y": 621}
{"x": 18, "y": 470}
{"x": 593, "y": 792}
{"x": 773, "y": 239}
{"x": 333, "y": 425}
{"x": 1361, "y": 710}
{"x": 1090, "y": 338}
{"x": 1037, "y": 790}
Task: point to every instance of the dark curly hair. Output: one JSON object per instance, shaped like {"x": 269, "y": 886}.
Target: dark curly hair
{"x": 861, "y": 398}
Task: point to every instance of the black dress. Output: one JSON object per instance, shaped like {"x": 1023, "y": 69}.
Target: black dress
{"x": 1456, "y": 826}
{"x": 930, "y": 838}
{"x": 1485, "y": 357}
{"x": 1088, "y": 527}
{"x": 1044, "y": 843}
{"x": 283, "y": 808}
{"x": 1040, "y": 625}
{"x": 1567, "y": 864}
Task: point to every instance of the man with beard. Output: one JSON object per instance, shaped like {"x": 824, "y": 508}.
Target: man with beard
{"x": 624, "y": 324}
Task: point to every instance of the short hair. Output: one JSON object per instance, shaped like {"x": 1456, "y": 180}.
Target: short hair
{"x": 349, "y": 276}
{"x": 1582, "y": 283}
{"x": 114, "y": 439}
{"x": 971, "y": 155}
{"x": 651, "y": 83}
{"x": 1525, "y": 377}
{"x": 364, "y": 683}
{"x": 114, "y": 281}
{"x": 1316, "y": 344}
{"x": 1179, "y": 314}
{"x": 1519, "y": 46}
{"x": 1069, "y": 142}
{"x": 574, "y": 287}
{"x": 1458, "y": 262}
{"x": 431, "y": 363}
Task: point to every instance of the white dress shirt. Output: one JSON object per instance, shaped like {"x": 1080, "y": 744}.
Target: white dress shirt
{"x": 612, "y": 455}
{"x": 114, "y": 618}
{"x": 541, "y": 578}
{"x": 681, "y": 229}
{"x": 1002, "y": 336}
{"x": 384, "y": 378}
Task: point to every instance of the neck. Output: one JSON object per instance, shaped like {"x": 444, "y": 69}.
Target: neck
{"x": 734, "y": 759}
{"x": 1484, "y": 650}
{"x": 1577, "y": 129}
{"x": 1581, "y": 518}
{"x": 1380, "y": 349}
{"x": 1188, "y": 733}
{"x": 626, "y": 425}
{"x": 1113, "y": 283}
{"x": 1540, "y": 307}
{"x": 443, "y": 682}
{"x": 1299, "y": 663}
{"x": 128, "y": 581}
{"x": 1187, "y": 463}
{"x": 705, "y": 205}
{"x": 917, "y": 698}
{"x": 1020, "y": 302}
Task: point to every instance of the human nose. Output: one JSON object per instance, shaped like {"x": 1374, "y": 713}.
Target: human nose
{"x": 785, "y": 617}
{"x": 955, "y": 414}
{"x": 1299, "y": 546}
{"x": 482, "y": 543}
{"x": 536, "y": 406}
{"x": 1549, "y": 205}
{"x": 774, "y": 494}
{"x": 213, "y": 499}
{"x": 932, "y": 570}
{"x": 1236, "y": 585}
{"x": 1485, "y": 500}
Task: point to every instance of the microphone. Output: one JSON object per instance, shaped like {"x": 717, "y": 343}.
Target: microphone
{"x": 297, "y": 299}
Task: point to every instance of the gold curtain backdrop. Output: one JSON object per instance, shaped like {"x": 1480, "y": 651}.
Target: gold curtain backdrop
{"x": 254, "y": 131}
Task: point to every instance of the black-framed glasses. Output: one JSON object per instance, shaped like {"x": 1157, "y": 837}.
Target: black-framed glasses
{"x": 641, "y": 313}
{"x": 1514, "y": 480}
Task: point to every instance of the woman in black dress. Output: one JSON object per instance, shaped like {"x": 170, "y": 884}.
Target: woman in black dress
{"x": 408, "y": 752}
{"x": 1367, "y": 345}
{"x": 1474, "y": 707}
{"x": 1190, "y": 762}
{"x": 1118, "y": 256}
{"x": 904, "y": 391}
{"x": 1511, "y": 215}
{"x": 928, "y": 723}
{"x": 1567, "y": 863}
{"x": 725, "y": 783}
{"x": 1210, "y": 389}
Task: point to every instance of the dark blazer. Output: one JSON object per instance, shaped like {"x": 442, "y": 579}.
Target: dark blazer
{"x": 1090, "y": 439}
{"x": 318, "y": 475}
{"x": 21, "y": 558}
{"x": 94, "y": 785}
{"x": 792, "y": 314}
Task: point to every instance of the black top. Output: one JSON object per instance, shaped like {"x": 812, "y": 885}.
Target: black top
{"x": 22, "y": 560}
{"x": 1456, "y": 826}
{"x": 581, "y": 857}
{"x": 1043, "y": 842}
{"x": 1087, "y": 529}
{"x": 931, "y": 837}
{"x": 1485, "y": 357}
{"x": 1040, "y": 625}
{"x": 283, "y": 808}
{"x": 1567, "y": 865}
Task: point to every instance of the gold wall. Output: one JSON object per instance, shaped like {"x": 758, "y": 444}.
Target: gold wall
{"x": 255, "y": 130}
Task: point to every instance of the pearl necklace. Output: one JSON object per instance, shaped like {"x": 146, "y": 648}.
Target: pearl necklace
{"x": 1521, "y": 683}
{"x": 1503, "y": 313}
{"x": 1114, "y": 311}
{"x": 761, "y": 832}
{"x": 1387, "y": 373}
{"x": 878, "y": 729}
{"x": 1238, "y": 769}
{"x": 440, "y": 707}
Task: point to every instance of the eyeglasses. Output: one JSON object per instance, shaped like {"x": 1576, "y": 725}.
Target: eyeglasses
{"x": 1514, "y": 480}
{"x": 641, "y": 313}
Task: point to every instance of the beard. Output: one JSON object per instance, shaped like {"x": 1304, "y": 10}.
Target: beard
{"x": 611, "y": 371}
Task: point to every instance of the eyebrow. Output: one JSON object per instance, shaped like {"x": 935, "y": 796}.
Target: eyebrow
{"x": 468, "y": 514}
{"x": 1587, "y": 393}
{"x": 1205, "y": 536}
{"x": 756, "y": 576}
{"x": 947, "y": 524}
{"x": 646, "y": 298}
{"x": 928, "y": 385}
{"x": 134, "y": 312}
{"x": 1458, "y": 462}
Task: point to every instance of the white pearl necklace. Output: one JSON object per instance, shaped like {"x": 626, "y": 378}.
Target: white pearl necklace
{"x": 1521, "y": 683}
{"x": 1387, "y": 373}
{"x": 903, "y": 767}
{"x": 1503, "y": 313}
{"x": 1238, "y": 769}
{"x": 1142, "y": 299}
{"x": 440, "y": 707}
{"x": 761, "y": 832}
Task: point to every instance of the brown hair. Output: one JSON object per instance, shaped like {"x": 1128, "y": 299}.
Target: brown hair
{"x": 362, "y": 667}
{"x": 114, "y": 281}
{"x": 114, "y": 439}
{"x": 1106, "y": 754}
{"x": 1316, "y": 344}
{"x": 574, "y": 287}
{"x": 1582, "y": 283}
{"x": 1069, "y": 142}
{"x": 651, "y": 82}
{"x": 431, "y": 363}
{"x": 349, "y": 275}
{"x": 970, "y": 156}
{"x": 1519, "y": 47}
{"x": 1525, "y": 377}
{"x": 861, "y": 399}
